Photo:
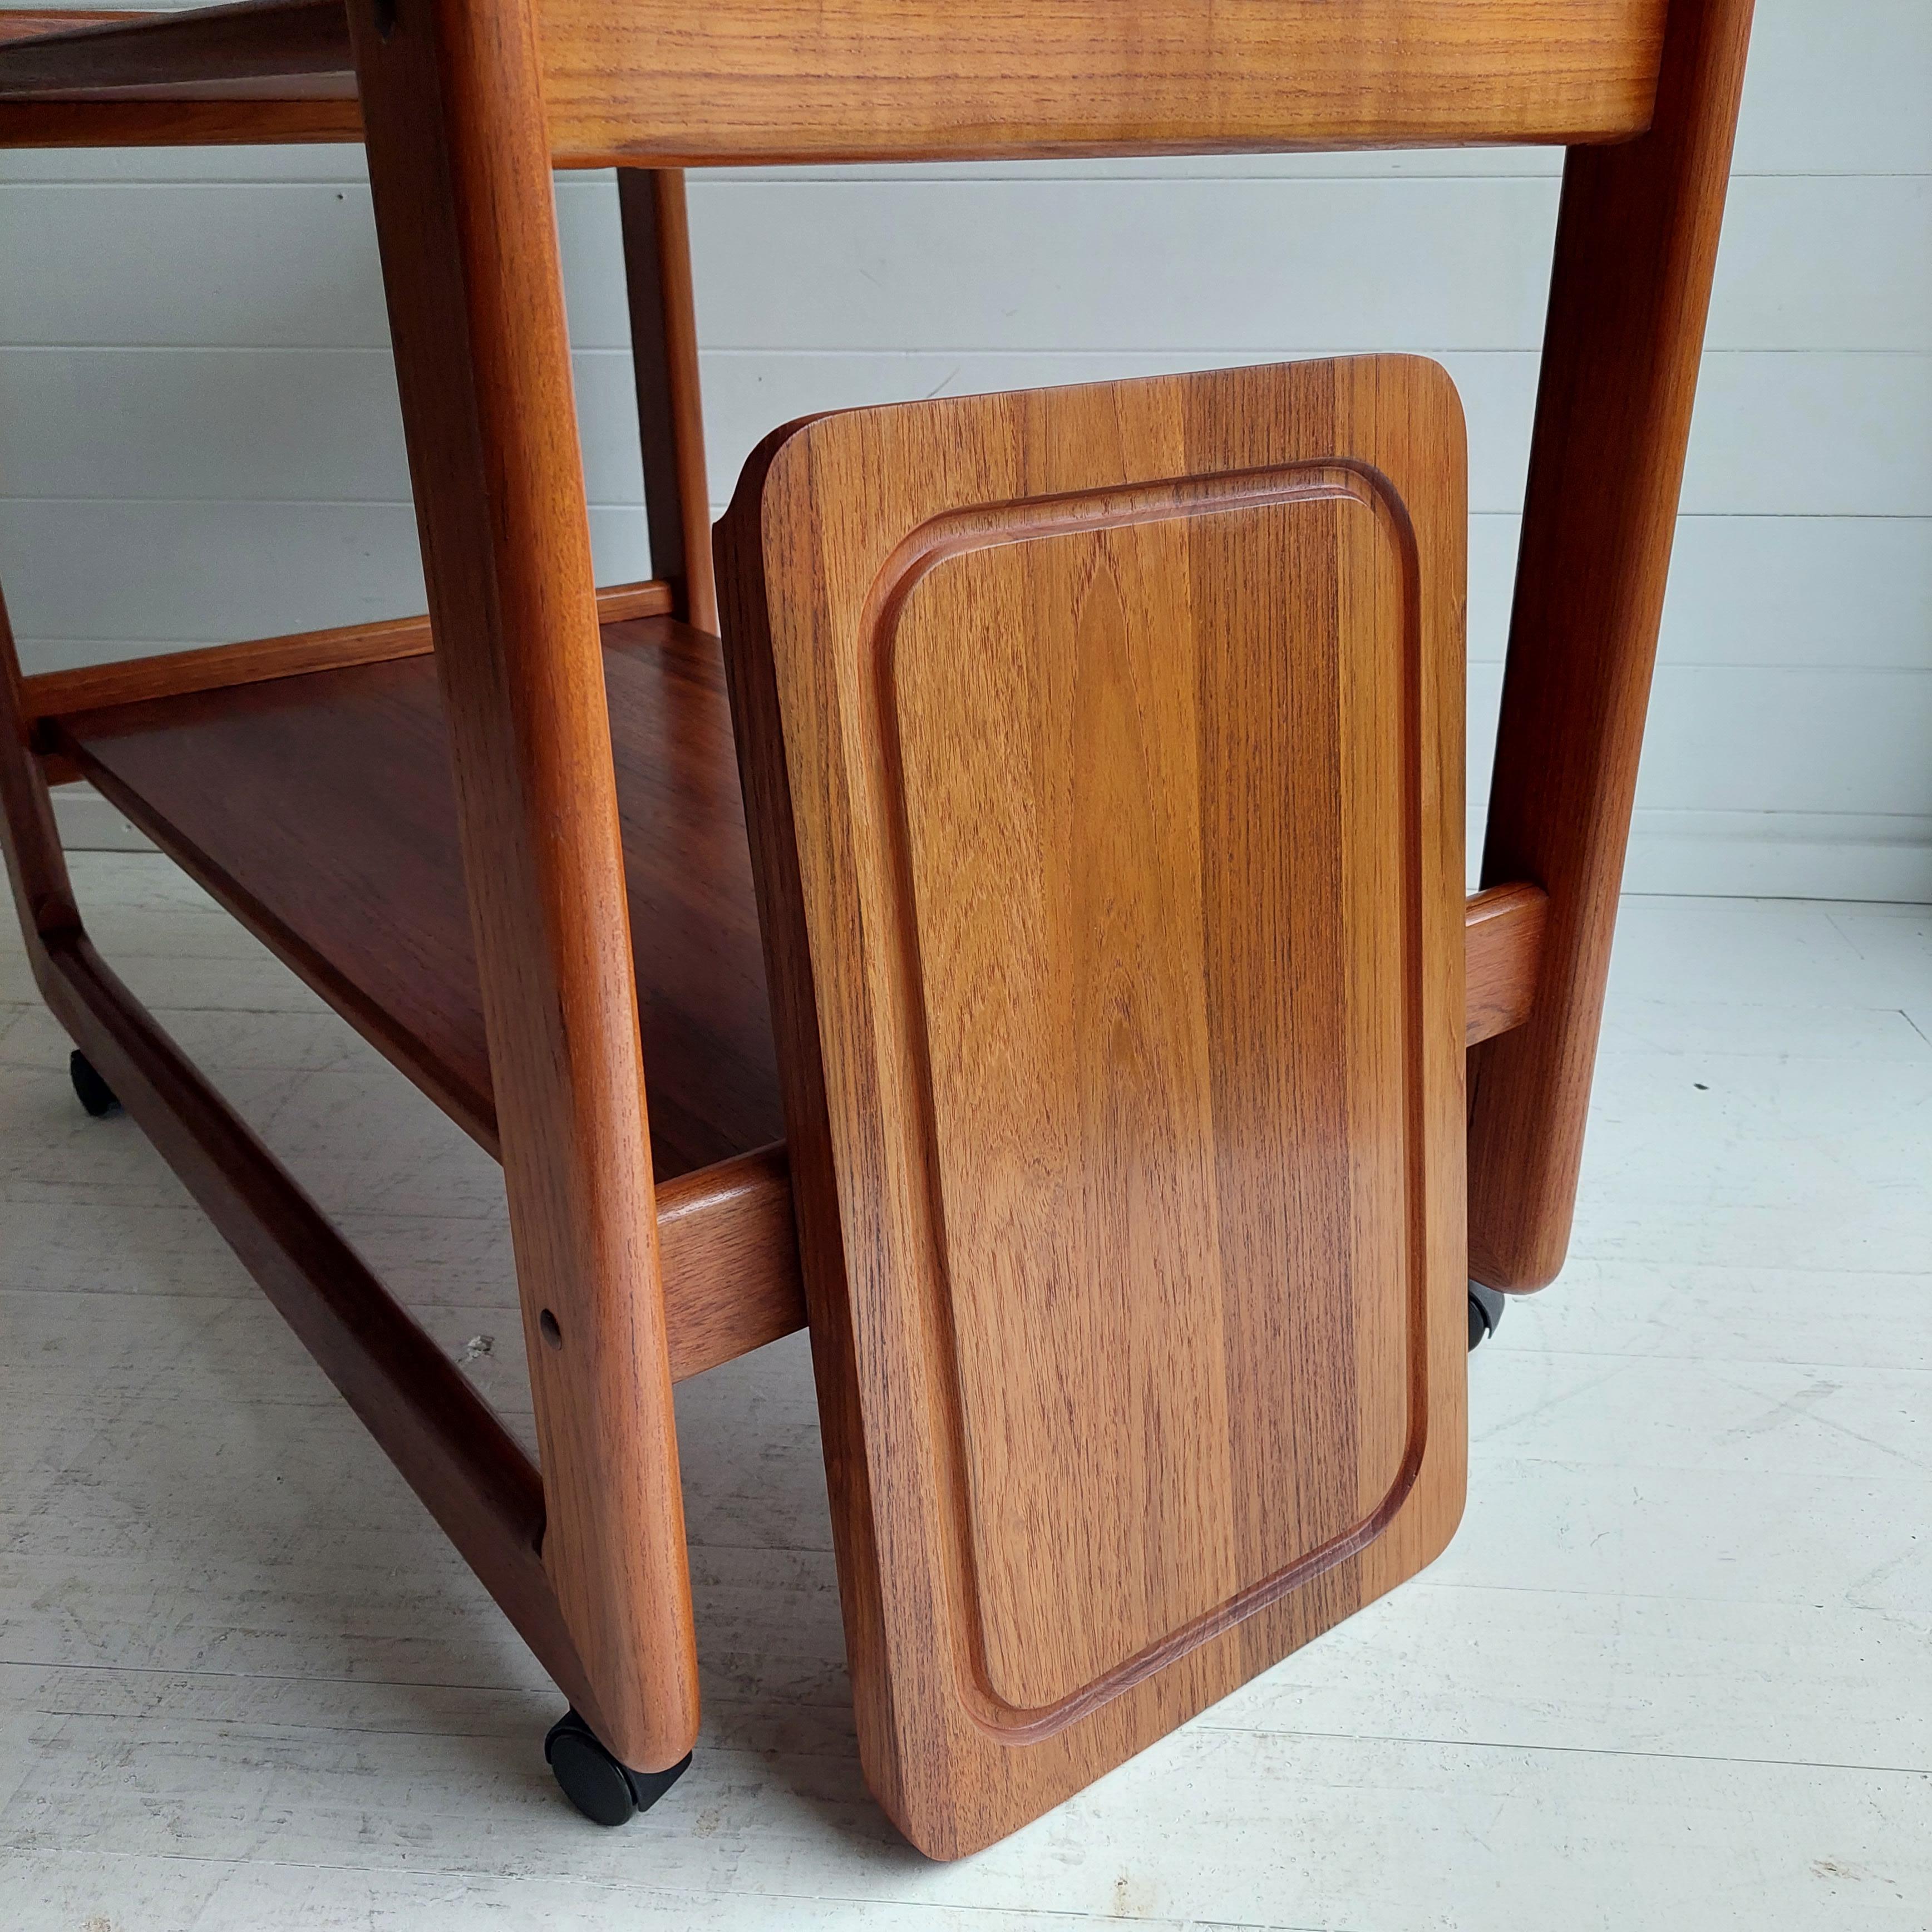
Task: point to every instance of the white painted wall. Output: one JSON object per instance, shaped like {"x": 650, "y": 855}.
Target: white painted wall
{"x": 199, "y": 438}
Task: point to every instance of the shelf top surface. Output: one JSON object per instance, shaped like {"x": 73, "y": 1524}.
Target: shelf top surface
{"x": 321, "y": 810}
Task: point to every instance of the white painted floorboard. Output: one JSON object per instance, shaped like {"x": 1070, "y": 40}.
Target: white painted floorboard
{"x": 1674, "y": 1671}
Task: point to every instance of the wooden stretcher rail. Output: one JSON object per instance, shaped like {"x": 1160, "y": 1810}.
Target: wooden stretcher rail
{"x": 730, "y": 1259}
{"x": 731, "y": 1285}
{"x": 50, "y": 694}
{"x": 451, "y": 1448}
{"x": 777, "y": 80}
{"x": 665, "y": 82}
{"x": 178, "y": 124}
{"x": 1503, "y": 945}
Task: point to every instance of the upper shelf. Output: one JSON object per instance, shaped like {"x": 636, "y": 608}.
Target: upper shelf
{"x": 665, "y": 82}
{"x": 320, "y": 810}
{"x": 260, "y": 49}
{"x": 269, "y": 71}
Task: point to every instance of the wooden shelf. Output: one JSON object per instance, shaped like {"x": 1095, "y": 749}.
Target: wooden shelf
{"x": 319, "y": 809}
{"x": 260, "y": 49}
{"x": 317, "y": 806}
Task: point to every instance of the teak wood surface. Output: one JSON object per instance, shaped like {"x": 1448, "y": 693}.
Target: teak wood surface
{"x": 219, "y": 667}
{"x": 319, "y": 809}
{"x": 1637, "y": 241}
{"x": 1502, "y": 932}
{"x": 216, "y": 111}
{"x": 322, "y": 811}
{"x": 1103, "y": 759}
{"x": 466, "y": 223}
{"x": 665, "y": 83}
{"x": 671, "y": 410}
{"x": 1053, "y": 1550}
{"x": 458, "y": 1457}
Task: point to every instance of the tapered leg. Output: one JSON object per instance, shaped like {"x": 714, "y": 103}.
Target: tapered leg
{"x": 1636, "y": 243}
{"x": 671, "y": 415}
{"x": 452, "y": 1451}
{"x": 459, "y": 170}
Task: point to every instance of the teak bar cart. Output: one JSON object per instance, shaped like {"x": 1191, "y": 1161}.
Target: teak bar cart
{"x": 1070, "y": 1022}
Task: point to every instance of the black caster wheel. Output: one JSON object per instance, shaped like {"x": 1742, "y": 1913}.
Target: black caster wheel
{"x": 606, "y": 1792}
{"x": 1485, "y": 1312}
{"x": 93, "y": 1093}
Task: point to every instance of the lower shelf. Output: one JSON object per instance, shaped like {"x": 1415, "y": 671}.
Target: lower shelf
{"x": 319, "y": 809}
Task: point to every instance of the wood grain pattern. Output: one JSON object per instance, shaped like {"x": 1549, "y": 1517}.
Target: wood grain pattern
{"x": 455, "y": 1453}
{"x": 730, "y": 1254}
{"x": 447, "y": 1443}
{"x": 318, "y": 108}
{"x": 271, "y": 48}
{"x": 221, "y": 667}
{"x": 1106, "y": 830}
{"x": 466, "y": 223}
{"x": 1503, "y": 946}
{"x": 119, "y": 123}
{"x": 1636, "y": 243}
{"x": 321, "y": 810}
{"x": 658, "y": 80}
{"x": 344, "y": 855}
{"x": 1164, "y": 1023}
{"x": 33, "y": 23}
{"x": 656, "y": 229}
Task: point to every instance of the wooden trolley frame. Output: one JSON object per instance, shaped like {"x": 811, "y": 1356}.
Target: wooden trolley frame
{"x": 516, "y": 1003}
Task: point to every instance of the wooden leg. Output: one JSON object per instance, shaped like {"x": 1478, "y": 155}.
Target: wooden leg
{"x": 670, "y": 414}
{"x": 440, "y": 1434}
{"x": 1635, "y": 246}
{"x": 35, "y": 866}
{"x": 460, "y": 171}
